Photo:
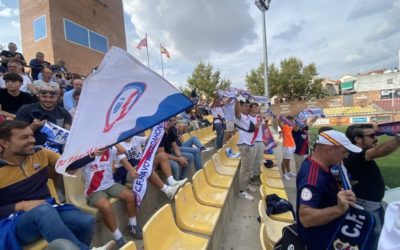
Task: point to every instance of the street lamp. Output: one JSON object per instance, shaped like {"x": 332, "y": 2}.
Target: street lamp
{"x": 263, "y": 5}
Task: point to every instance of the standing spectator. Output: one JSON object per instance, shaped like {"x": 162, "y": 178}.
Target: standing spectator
{"x": 16, "y": 67}
{"x": 76, "y": 95}
{"x": 300, "y": 136}
{"x": 59, "y": 68}
{"x": 12, "y": 98}
{"x": 288, "y": 147}
{"x": 46, "y": 81}
{"x": 320, "y": 205}
{"x": 37, "y": 65}
{"x": 370, "y": 186}
{"x": 229, "y": 117}
{"x": 258, "y": 143}
{"x": 246, "y": 148}
{"x": 219, "y": 120}
{"x": 68, "y": 100}
{"x": 11, "y": 55}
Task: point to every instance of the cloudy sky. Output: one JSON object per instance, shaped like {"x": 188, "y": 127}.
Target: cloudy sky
{"x": 340, "y": 37}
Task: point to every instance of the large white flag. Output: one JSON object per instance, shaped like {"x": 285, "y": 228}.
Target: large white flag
{"x": 122, "y": 98}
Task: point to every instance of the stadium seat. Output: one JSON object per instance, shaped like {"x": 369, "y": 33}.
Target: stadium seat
{"x": 286, "y": 217}
{"x": 265, "y": 190}
{"x": 263, "y": 237}
{"x": 52, "y": 189}
{"x": 269, "y": 157}
{"x": 186, "y": 136}
{"x": 161, "y": 233}
{"x": 273, "y": 227}
{"x": 271, "y": 172}
{"x": 207, "y": 194}
{"x": 222, "y": 169}
{"x": 271, "y": 182}
{"x": 225, "y": 160}
{"x": 193, "y": 216}
{"x": 215, "y": 179}
{"x": 129, "y": 246}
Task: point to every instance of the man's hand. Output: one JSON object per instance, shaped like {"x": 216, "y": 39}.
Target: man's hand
{"x": 36, "y": 124}
{"x": 28, "y": 205}
{"x": 133, "y": 173}
{"x": 345, "y": 199}
{"x": 182, "y": 161}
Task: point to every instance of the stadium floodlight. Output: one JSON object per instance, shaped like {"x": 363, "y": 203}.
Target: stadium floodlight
{"x": 263, "y": 5}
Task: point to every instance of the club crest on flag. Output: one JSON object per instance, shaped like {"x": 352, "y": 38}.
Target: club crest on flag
{"x": 123, "y": 103}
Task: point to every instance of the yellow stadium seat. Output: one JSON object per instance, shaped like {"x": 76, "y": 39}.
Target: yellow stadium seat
{"x": 271, "y": 182}
{"x": 206, "y": 135}
{"x": 222, "y": 169}
{"x": 265, "y": 190}
{"x": 129, "y": 246}
{"x": 52, "y": 189}
{"x": 193, "y": 216}
{"x": 186, "y": 137}
{"x": 270, "y": 173}
{"x": 147, "y": 132}
{"x": 210, "y": 118}
{"x": 273, "y": 227}
{"x": 161, "y": 233}
{"x": 225, "y": 160}
{"x": 207, "y": 194}
{"x": 263, "y": 169}
{"x": 287, "y": 216}
{"x": 263, "y": 237}
{"x": 269, "y": 157}
{"x": 215, "y": 179}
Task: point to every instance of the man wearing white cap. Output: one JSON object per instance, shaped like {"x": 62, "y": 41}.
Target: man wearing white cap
{"x": 320, "y": 203}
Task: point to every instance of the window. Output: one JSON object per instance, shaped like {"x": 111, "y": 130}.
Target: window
{"x": 98, "y": 42}
{"x": 39, "y": 28}
{"x": 347, "y": 100}
{"x": 78, "y": 34}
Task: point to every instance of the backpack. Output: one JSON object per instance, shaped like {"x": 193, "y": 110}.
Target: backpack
{"x": 290, "y": 239}
{"x": 277, "y": 205}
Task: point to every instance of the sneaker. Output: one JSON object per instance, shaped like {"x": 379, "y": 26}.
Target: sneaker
{"x": 286, "y": 177}
{"x": 254, "y": 181}
{"x": 207, "y": 149}
{"x": 181, "y": 182}
{"x": 111, "y": 245}
{"x": 121, "y": 242}
{"x": 293, "y": 174}
{"x": 136, "y": 231}
{"x": 171, "y": 191}
{"x": 251, "y": 189}
{"x": 245, "y": 195}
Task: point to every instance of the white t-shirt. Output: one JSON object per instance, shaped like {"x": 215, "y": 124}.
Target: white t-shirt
{"x": 229, "y": 111}
{"x": 254, "y": 119}
{"x": 244, "y": 137}
{"x": 134, "y": 148}
{"x": 98, "y": 174}
{"x": 24, "y": 86}
{"x": 217, "y": 111}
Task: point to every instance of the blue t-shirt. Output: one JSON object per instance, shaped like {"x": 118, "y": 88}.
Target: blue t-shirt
{"x": 301, "y": 140}
{"x": 316, "y": 188}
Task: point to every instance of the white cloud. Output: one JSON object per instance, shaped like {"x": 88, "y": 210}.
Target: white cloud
{"x": 15, "y": 24}
{"x": 8, "y": 12}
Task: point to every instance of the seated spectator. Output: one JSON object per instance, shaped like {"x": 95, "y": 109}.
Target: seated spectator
{"x": 11, "y": 55}
{"x": 69, "y": 102}
{"x": 199, "y": 116}
{"x": 16, "y": 67}
{"x": 26, "y": 192}
{"x": 36, "y": 65}
{"x": 45, "y": 110}
{"x": 320, "y": 204}
{"x": 60, "y": 67}
{"x": 100, "y": 186}
{"x": 46, "y": 81}
{"x": 11, "y": 98}
{"x": 178, "y": 160}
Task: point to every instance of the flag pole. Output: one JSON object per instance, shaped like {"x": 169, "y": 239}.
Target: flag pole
{"x": 162, "y": 64}
{"x": 147, "y": 50}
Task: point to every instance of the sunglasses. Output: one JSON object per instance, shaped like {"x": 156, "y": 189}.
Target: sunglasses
{"x": 372, "y": 136}
{"x": 50, "y": 92}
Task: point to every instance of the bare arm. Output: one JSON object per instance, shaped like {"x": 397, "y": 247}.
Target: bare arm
{"x": 7, "y": 114}
{"x": 382, "y": 149}
{"x": 237, "y": 110}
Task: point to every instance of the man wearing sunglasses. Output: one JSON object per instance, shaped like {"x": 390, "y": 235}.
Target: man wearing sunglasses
{"x": 370, "y": 186}
{"x": 36, "y": 114}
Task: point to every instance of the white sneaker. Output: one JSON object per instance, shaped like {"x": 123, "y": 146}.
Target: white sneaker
{"x": 286, "y": 177}
{"x": 181, "y": 182}
{"x": 251, "y": 189}
{"x": 245, "y": 195}
{"x": 292, "y": 174}
{"x": 171, "y": 191}
{"x": 111, "y": 245}
{"x": 207, "y": 149}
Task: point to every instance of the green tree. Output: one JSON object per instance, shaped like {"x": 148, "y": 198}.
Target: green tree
{"x": 206, "y": 80}
{"x": 185, "y": 90}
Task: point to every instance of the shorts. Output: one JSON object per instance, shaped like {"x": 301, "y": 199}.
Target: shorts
{"x": 230, "y": 126}
{"x": 288, "y": 152}
{"x": 114, "y": 191}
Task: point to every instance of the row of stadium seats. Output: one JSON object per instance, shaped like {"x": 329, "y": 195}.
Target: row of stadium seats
{"x": 389, "y": 105}
{"x": 271, "y": 226}
{"x": 199, "y": 207}
{"x": 355, "y": 110}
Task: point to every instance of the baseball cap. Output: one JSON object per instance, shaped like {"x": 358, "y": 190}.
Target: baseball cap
{"x": 333, "y": 137}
